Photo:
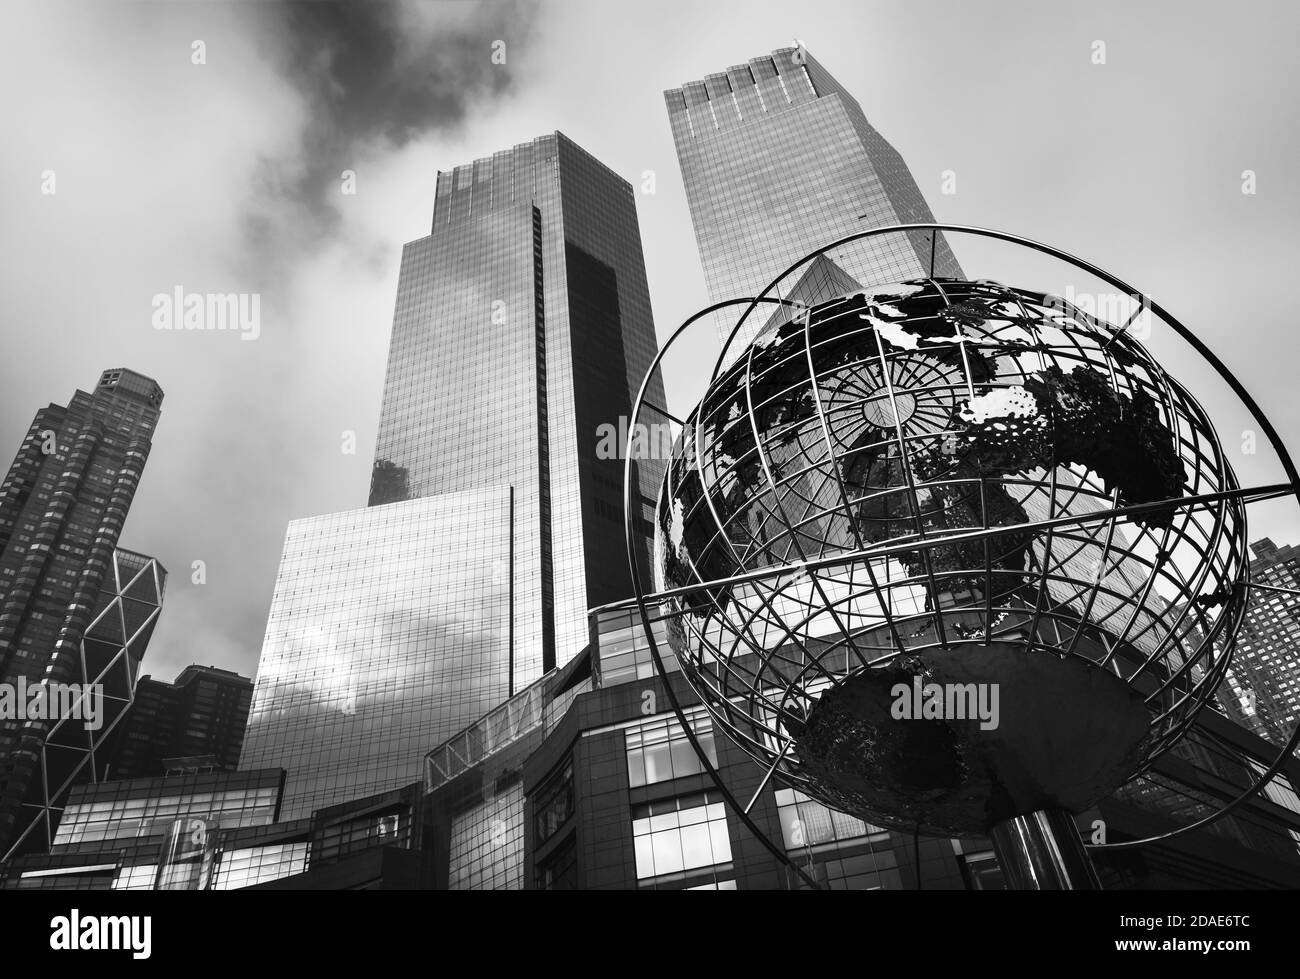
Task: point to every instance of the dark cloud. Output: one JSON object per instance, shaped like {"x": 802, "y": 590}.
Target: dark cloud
{"x": 375, "y": 75}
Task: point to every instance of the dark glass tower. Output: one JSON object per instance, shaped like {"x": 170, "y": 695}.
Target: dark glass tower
{"x": 522, "y": 328}
{"x": 62, "y": 506}
{"x": 778, "y": 160}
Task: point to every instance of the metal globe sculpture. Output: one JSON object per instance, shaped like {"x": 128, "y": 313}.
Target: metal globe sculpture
{"x": 943, "y": 553}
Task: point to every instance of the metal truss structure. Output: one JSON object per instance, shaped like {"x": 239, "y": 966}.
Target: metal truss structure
{"x": 68, "y": 753}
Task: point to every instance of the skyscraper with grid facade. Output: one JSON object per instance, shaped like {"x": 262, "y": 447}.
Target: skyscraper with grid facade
{"x": 1262, "y": 688}
{"x": 62, "y": 507}
{"x": 521, "y": 334}
{"x": 778, "y": 160}
{"x": 390, "y": 629}
{"x": 522, "y": 326}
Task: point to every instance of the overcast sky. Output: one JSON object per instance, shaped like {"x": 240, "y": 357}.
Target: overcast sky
{"x": 224, "y": 176}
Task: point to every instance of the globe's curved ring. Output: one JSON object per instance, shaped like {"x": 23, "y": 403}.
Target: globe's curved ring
{"x": 1261, "y": 492}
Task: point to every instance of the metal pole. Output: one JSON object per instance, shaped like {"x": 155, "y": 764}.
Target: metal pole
{"x": 1042, "y": 851}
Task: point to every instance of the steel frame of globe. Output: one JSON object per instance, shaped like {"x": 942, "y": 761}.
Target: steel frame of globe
{"x": 929, "y": 577}
{"x": 1235, "y": 495}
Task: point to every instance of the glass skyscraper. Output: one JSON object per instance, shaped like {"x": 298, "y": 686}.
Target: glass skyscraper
{"x": 522, "y": 328}
{"x": 1262, "y": 688}
{"x": 778, "y": 160}
{"x": 390, "y": 630}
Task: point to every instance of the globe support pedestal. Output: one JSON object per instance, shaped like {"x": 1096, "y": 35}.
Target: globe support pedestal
{"x": 1042, "y": 851}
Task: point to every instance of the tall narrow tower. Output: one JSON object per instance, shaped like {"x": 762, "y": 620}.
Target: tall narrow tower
{"x": 522, "y": 327}
{"x": 521, "y": 334}
{"x": 778, "y": 160}
{"x": 62, "y": 507}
